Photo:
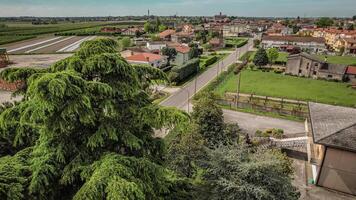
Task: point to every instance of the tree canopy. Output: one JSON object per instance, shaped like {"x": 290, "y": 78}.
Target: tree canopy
{"x": 261, "y": 58}
{"x": 85, "y": 130}
{"x": 324, "y": 22}
{"x": 272, "y": 54}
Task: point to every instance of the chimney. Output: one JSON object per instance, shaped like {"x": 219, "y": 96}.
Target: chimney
{"x": 148, "y": 59}
{"x": 132, "y": 53}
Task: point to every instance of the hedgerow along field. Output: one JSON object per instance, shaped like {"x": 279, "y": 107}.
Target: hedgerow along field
{"x": 13, "y": 32}
{"x": 283, "y": 86}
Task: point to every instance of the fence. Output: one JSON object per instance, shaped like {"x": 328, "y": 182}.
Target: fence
{"x": 278, "y": 106}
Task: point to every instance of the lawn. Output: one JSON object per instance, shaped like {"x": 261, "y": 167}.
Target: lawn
{"x": 344, "y": 60}
{"x": 282, "y": 56}
{"x": 278, "y": 85}
{"x": 235, "y": 41}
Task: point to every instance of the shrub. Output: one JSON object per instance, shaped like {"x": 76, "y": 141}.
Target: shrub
{"x": 179, "y": 73}
{"x": 210, "y": 61}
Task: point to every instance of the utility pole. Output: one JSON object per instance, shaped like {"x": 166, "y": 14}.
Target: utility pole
{"x": 239, "y": 85}
{"x": 196, "y": 80}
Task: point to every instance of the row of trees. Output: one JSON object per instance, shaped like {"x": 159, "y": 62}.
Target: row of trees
{"x": 220, "y": 162}
{"x": 155, "y": 26}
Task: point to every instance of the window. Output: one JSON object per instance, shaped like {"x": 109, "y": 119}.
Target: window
{"x": 330, "y": 76}
{"x": 300, "y": 71}
{"x": 314, "y": 72}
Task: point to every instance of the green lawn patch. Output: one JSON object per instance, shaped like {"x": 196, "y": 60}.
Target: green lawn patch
{"x": 283, "y": 86}
{"x": 235, "y": 42}
{"x": 343, "y": 60}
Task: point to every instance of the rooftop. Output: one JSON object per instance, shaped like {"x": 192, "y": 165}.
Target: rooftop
{"x": 144, "y": 57}
{"x": 290, "y": 38}
{"x": 333, "y": 126}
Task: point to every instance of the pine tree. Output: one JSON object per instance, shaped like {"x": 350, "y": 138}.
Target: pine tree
{"x": 84, "y": 130}
{"x": 261, "y": 58}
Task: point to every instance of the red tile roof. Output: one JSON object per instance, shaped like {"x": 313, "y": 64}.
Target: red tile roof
{"x": 351, "y": 70}
{"x": 182, "y": 49}
{"x": 294, "y": 39}
{"x": 166, "y": 33}
{"x": 144, "y": 57}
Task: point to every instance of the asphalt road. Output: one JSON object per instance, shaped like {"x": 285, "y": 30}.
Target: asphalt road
{"x": 180, "y": 98}
{"x": 249, "y": 122}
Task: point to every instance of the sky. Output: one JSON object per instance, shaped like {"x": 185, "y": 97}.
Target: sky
{"x": 258, "y": 8}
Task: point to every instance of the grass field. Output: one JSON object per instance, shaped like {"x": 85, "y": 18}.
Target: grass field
{"x": 20, "y": 31}
{"x": 282, "y": 56}
{"x": 278, "y": 85}
{"x": 344, "y": 60}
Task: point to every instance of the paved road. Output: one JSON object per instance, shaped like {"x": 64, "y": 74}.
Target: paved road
{"x": 180, "y": 98}
{"x": 251, "y": 123}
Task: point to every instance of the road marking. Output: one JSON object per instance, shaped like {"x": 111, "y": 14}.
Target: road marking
{"x": 75, "y": 45}
{"x": 50, "y": 44}
{"x": 31, "y": 45}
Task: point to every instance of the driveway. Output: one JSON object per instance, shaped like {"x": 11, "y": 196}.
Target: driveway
{"x": 251, "y": 123}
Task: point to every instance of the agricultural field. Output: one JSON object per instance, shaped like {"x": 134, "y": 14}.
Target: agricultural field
{"x": 278, "y": 85}
{"x": 344, "y": 60}
{"x": 21, "y": 31}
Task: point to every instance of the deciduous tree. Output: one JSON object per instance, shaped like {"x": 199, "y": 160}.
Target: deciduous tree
{"x": 261, "y": 58}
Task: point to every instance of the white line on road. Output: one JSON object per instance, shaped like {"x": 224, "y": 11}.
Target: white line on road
{"x": 50, "y": 44}
{"x": 75, "y": 45}
{"x": 31, "y": 45}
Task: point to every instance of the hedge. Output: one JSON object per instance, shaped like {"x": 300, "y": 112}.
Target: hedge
{"x": 210, "y": 61}
{"x": 179, "y": 73}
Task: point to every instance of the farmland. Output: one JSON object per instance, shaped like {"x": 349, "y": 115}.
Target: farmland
{"x": 278, "y": 85}
{"x": 21, "y": 31}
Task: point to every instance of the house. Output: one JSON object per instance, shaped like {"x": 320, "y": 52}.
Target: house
{"x": 309, "y": 44}
{"x": 331, "y": 147}
{"x": 278, "y": 29}
{"x": 309, "y": 66}
{"x": 148, "y": 58}
{"x": 132, "y": 31}
{"x": 350, "y": 74}
{"x": 217, "y": 43}
{"x": 182, "y": 37}
{"x": 155, "y": 45}
{"x": 110, "y": 30}
{"x": 234, "y": 30}
{"x": 166, "y": 35}
{"x": 347, "y": 44}
{"x": 182, "y": 54}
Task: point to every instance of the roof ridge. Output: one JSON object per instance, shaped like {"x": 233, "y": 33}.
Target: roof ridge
{"x": 337, "y": 132}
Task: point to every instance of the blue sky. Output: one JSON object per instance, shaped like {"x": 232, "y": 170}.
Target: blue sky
{"x": 277, "y": 8}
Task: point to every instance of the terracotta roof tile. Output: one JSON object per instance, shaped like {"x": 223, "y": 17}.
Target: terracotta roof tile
{"x": 144, "y": 57}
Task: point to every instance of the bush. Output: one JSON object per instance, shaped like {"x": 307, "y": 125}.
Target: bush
{"x": 278, "y": 71}
{"x": 210, "y": 61}
{"x": 275, "y": 133}
{"x": 179, "y": 73}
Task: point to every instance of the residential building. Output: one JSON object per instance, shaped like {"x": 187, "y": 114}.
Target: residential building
{"x": 347, "y": 44}
{"x": 350, "y": 74}
{"x": 114, "y": 30}
{"x": 234, "y": 30}
{"x": 132, "y": 31}
{"x": 182, "y": 54}
{"x": 331, "y": 147}
{"x": 217, "y": 43}
{"x": 182, "y": 37}
{"x": 156, "y": 45}
{"x": 278, "y": 29}
{"x": 148, "y": 58}
{"x": 166, "y": 35}
{"x": 310, "y": 66}
{"x": 309, "y": 44}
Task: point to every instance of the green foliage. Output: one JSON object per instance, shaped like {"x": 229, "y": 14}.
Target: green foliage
{"x": 125, "y": 42}
{"x": 87, "y": 125}
{"x": 210, "y": 61}
{"x": 276, "y": 133}
{"x": 261, "y": 58}
{"x": 179, "y": 73}
{"x": 324, "y": 22}
{"x": 235, "y": 173}
{"x": 194, "y": 52}
{"x": 272, "y": 54}
{"x": 171, "y": 53}
{"x": 210, "y": 121}
{"x": 162, "y": 28}
{"x": 256, "y": 43}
